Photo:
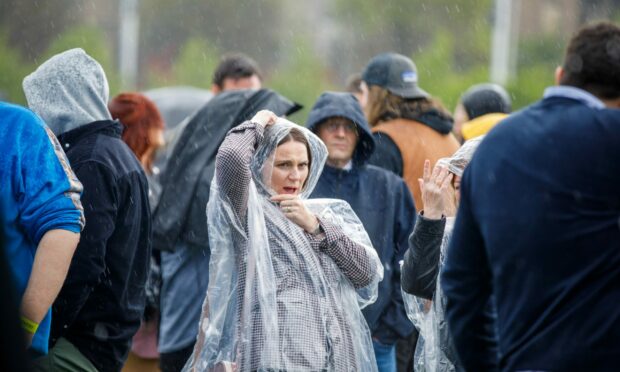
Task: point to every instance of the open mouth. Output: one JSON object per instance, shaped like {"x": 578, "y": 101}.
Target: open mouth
{"x": 289, "y": 190}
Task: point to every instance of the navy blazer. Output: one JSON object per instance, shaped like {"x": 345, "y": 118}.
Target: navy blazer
{"x": 539, "y": 229}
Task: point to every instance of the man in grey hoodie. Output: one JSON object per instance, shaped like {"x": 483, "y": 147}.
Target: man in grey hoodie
{"x": 100, "y": 304}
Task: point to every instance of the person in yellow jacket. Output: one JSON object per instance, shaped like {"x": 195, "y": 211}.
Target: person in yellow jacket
{"x": 480, "y": 108}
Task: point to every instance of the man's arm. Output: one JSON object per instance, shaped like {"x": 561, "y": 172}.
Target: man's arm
{"x": 466, "y": 282}
{"x": 386, "y": 154}
{"x": 50, "y": 214}
{"x": 51, "y": 263}
{"x": 405, "y": 219}
{"x": 421, "y": 262}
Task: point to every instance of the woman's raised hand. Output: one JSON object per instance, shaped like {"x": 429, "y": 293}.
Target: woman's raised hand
{"x": 295, "y": 210}
{"x": 264, "y": 118}
{"x": 435, "y": 190}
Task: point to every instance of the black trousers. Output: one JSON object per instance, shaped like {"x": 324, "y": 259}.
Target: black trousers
{"x": 175, "y": 361}
{"x": 405, "y": 349}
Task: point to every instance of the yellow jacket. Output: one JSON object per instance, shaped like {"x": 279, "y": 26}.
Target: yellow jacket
{"x": 481, "y": 125}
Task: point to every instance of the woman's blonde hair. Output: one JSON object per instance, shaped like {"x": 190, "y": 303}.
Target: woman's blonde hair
{"x": 383, "y": 105}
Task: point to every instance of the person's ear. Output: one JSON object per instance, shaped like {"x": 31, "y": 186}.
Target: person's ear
{"x": 559, "y": 73}
{"x": 215, "y": 89}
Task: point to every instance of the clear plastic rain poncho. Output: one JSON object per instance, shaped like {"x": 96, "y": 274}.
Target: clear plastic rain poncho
{"x": 279, "y": 298}
{"x": 457, "y": 163}
{"x": 434, "y": 350}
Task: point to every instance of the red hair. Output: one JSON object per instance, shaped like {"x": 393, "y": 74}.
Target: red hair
{"x": 138, "y": 115}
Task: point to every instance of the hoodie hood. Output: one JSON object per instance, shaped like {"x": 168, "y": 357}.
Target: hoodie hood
{"x": 186, "y": 183}
{"x": 68, "y": 91}
{"x": 345, "y": 105}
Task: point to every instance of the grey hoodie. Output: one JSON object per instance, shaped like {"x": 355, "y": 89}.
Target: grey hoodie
{"x": 68, "y": 91}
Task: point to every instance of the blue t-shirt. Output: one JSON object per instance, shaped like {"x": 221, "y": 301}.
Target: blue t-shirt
{"x": 38, "y": 192}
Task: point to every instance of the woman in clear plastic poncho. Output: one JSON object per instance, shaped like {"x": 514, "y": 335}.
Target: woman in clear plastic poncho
{"x": 288, "y": 276}
{"x": 427, "y": 247}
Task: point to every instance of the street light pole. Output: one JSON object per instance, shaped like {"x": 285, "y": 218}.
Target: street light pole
{"x": 128, "y": 42}
{"x": 504, "y": 41}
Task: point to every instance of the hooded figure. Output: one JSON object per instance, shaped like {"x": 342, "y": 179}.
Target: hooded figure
{"x": 423, "y": 261}
{"x": 100, "y": 305}
{"x": 186, "y": 183}
{"x": 281, "y": 298}
{"x": 180, "y": 222}
{"x": 382, "y": 201}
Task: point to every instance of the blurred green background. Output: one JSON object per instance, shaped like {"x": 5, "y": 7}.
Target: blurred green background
{"x": 303, "y": 47}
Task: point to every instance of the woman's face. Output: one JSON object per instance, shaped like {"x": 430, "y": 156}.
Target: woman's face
{"x": 289, "y": 168}
{"x": 156, "y": 137}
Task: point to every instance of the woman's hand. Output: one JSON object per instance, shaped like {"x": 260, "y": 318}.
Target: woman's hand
{"x": 435, "y": 190}
{"x": 295, "y": 210}
{"x": 264, "y": 118}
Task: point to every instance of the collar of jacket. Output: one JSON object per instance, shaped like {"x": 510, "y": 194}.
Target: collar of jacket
{"x": 431, "y": 118}
{"x": 112, "y": 128}
{"x": 339, "y": 172}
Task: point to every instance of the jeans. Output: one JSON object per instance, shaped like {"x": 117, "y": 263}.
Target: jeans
{"x": 385, "y": 355}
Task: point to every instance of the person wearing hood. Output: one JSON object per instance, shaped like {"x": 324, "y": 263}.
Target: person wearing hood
{"x": 101, "y": 302}
{"x": 408, "y": 124}
{"x": 179, "y": 220}
{"x": 289, "y": 274}
{"x": 480, "y": 108}
{"x": 424, "y": 300}
{"x": 380, "y": 199}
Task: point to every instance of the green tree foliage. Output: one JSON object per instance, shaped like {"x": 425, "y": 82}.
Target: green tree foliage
{"x": 248, "y": 26}
{"x": 13, "y": 69}
{"x": 302, "y": 78}
{"x": 438, "y": 73}
{"x": 407, "y": 26}
{"x": 89, "y": 38}
{"x": 193, "y": 66}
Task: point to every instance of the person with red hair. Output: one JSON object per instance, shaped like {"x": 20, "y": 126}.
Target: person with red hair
{"x": 143, "y": 126}
{"x": 143, "y": 133}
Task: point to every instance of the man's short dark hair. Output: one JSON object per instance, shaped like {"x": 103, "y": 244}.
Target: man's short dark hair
{"x": 592, "y": 60}
{"x": 235, "y": 66}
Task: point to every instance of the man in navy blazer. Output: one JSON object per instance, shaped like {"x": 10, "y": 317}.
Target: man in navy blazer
{"x": 538, "y": 229}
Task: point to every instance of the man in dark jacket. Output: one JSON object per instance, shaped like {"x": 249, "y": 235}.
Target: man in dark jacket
{"x": 538, "y": 226}
{"x": 101, "y": 302}
{"x": 381, "y": 200}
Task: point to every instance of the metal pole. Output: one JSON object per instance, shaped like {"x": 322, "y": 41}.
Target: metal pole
{"x": 128, "y": 42}
{"x": 501, "y": 42}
